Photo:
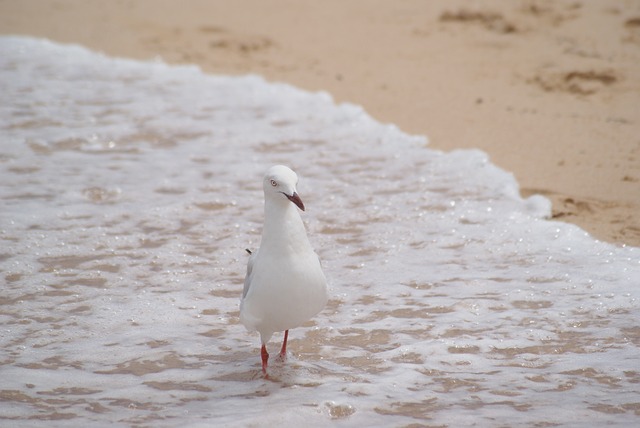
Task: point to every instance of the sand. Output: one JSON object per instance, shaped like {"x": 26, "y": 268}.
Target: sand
{"x": 550, "y": 89}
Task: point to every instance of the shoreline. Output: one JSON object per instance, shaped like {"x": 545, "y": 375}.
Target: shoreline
{"x": 549, "y": 91}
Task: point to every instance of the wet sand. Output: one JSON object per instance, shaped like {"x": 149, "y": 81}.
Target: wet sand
{"x": 549, "y": 89}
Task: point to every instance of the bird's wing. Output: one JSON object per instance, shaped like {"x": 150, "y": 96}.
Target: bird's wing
{"x": 247, "y": 279}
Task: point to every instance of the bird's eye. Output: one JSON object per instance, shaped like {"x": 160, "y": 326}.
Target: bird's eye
{"x": 274, "y": 183}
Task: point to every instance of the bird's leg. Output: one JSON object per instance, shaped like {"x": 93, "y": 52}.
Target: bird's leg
{"x": 283, "y": 351}
{"x": 265, "y": 358}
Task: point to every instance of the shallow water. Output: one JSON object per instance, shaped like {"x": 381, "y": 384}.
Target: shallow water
{"x": 130, "y": 190}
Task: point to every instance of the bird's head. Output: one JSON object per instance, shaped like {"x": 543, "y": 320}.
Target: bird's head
{"x": 280, "y": 182}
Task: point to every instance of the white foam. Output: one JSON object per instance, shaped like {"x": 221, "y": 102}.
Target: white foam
{"x": 130, "y": 190}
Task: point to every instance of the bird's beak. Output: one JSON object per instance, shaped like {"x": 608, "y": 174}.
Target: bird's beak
{"x": 296, "y": 200}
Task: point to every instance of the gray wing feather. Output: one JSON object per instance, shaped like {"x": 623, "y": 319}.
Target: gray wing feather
{"x": 247, "y": 279}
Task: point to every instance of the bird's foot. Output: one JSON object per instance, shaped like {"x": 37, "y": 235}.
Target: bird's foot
{"x": 265, "y": 359}
{"x": 283, "y": 350}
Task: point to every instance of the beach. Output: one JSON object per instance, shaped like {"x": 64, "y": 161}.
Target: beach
{"x": 550, "y": 90}
{"x": 134, "y": 151}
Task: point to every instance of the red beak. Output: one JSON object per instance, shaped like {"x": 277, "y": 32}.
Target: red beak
{"x": 296, "y": 200}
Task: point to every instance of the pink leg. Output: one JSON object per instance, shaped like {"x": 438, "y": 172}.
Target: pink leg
{"x": 265, "y": 358}
{"x": 283, "y": 351}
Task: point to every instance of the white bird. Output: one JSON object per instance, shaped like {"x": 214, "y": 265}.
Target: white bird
{"x": 284, "y": 286}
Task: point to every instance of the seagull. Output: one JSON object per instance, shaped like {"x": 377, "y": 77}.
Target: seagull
{"x": 284, "y": 286}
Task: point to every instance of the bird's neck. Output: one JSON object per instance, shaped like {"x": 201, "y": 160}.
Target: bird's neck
{"x": 283, "y": 228}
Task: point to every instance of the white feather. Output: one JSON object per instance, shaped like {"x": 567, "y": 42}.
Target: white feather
{"x": 285, "y": 285}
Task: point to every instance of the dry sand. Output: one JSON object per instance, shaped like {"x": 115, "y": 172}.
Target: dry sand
{"x": 550, "y": 89}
